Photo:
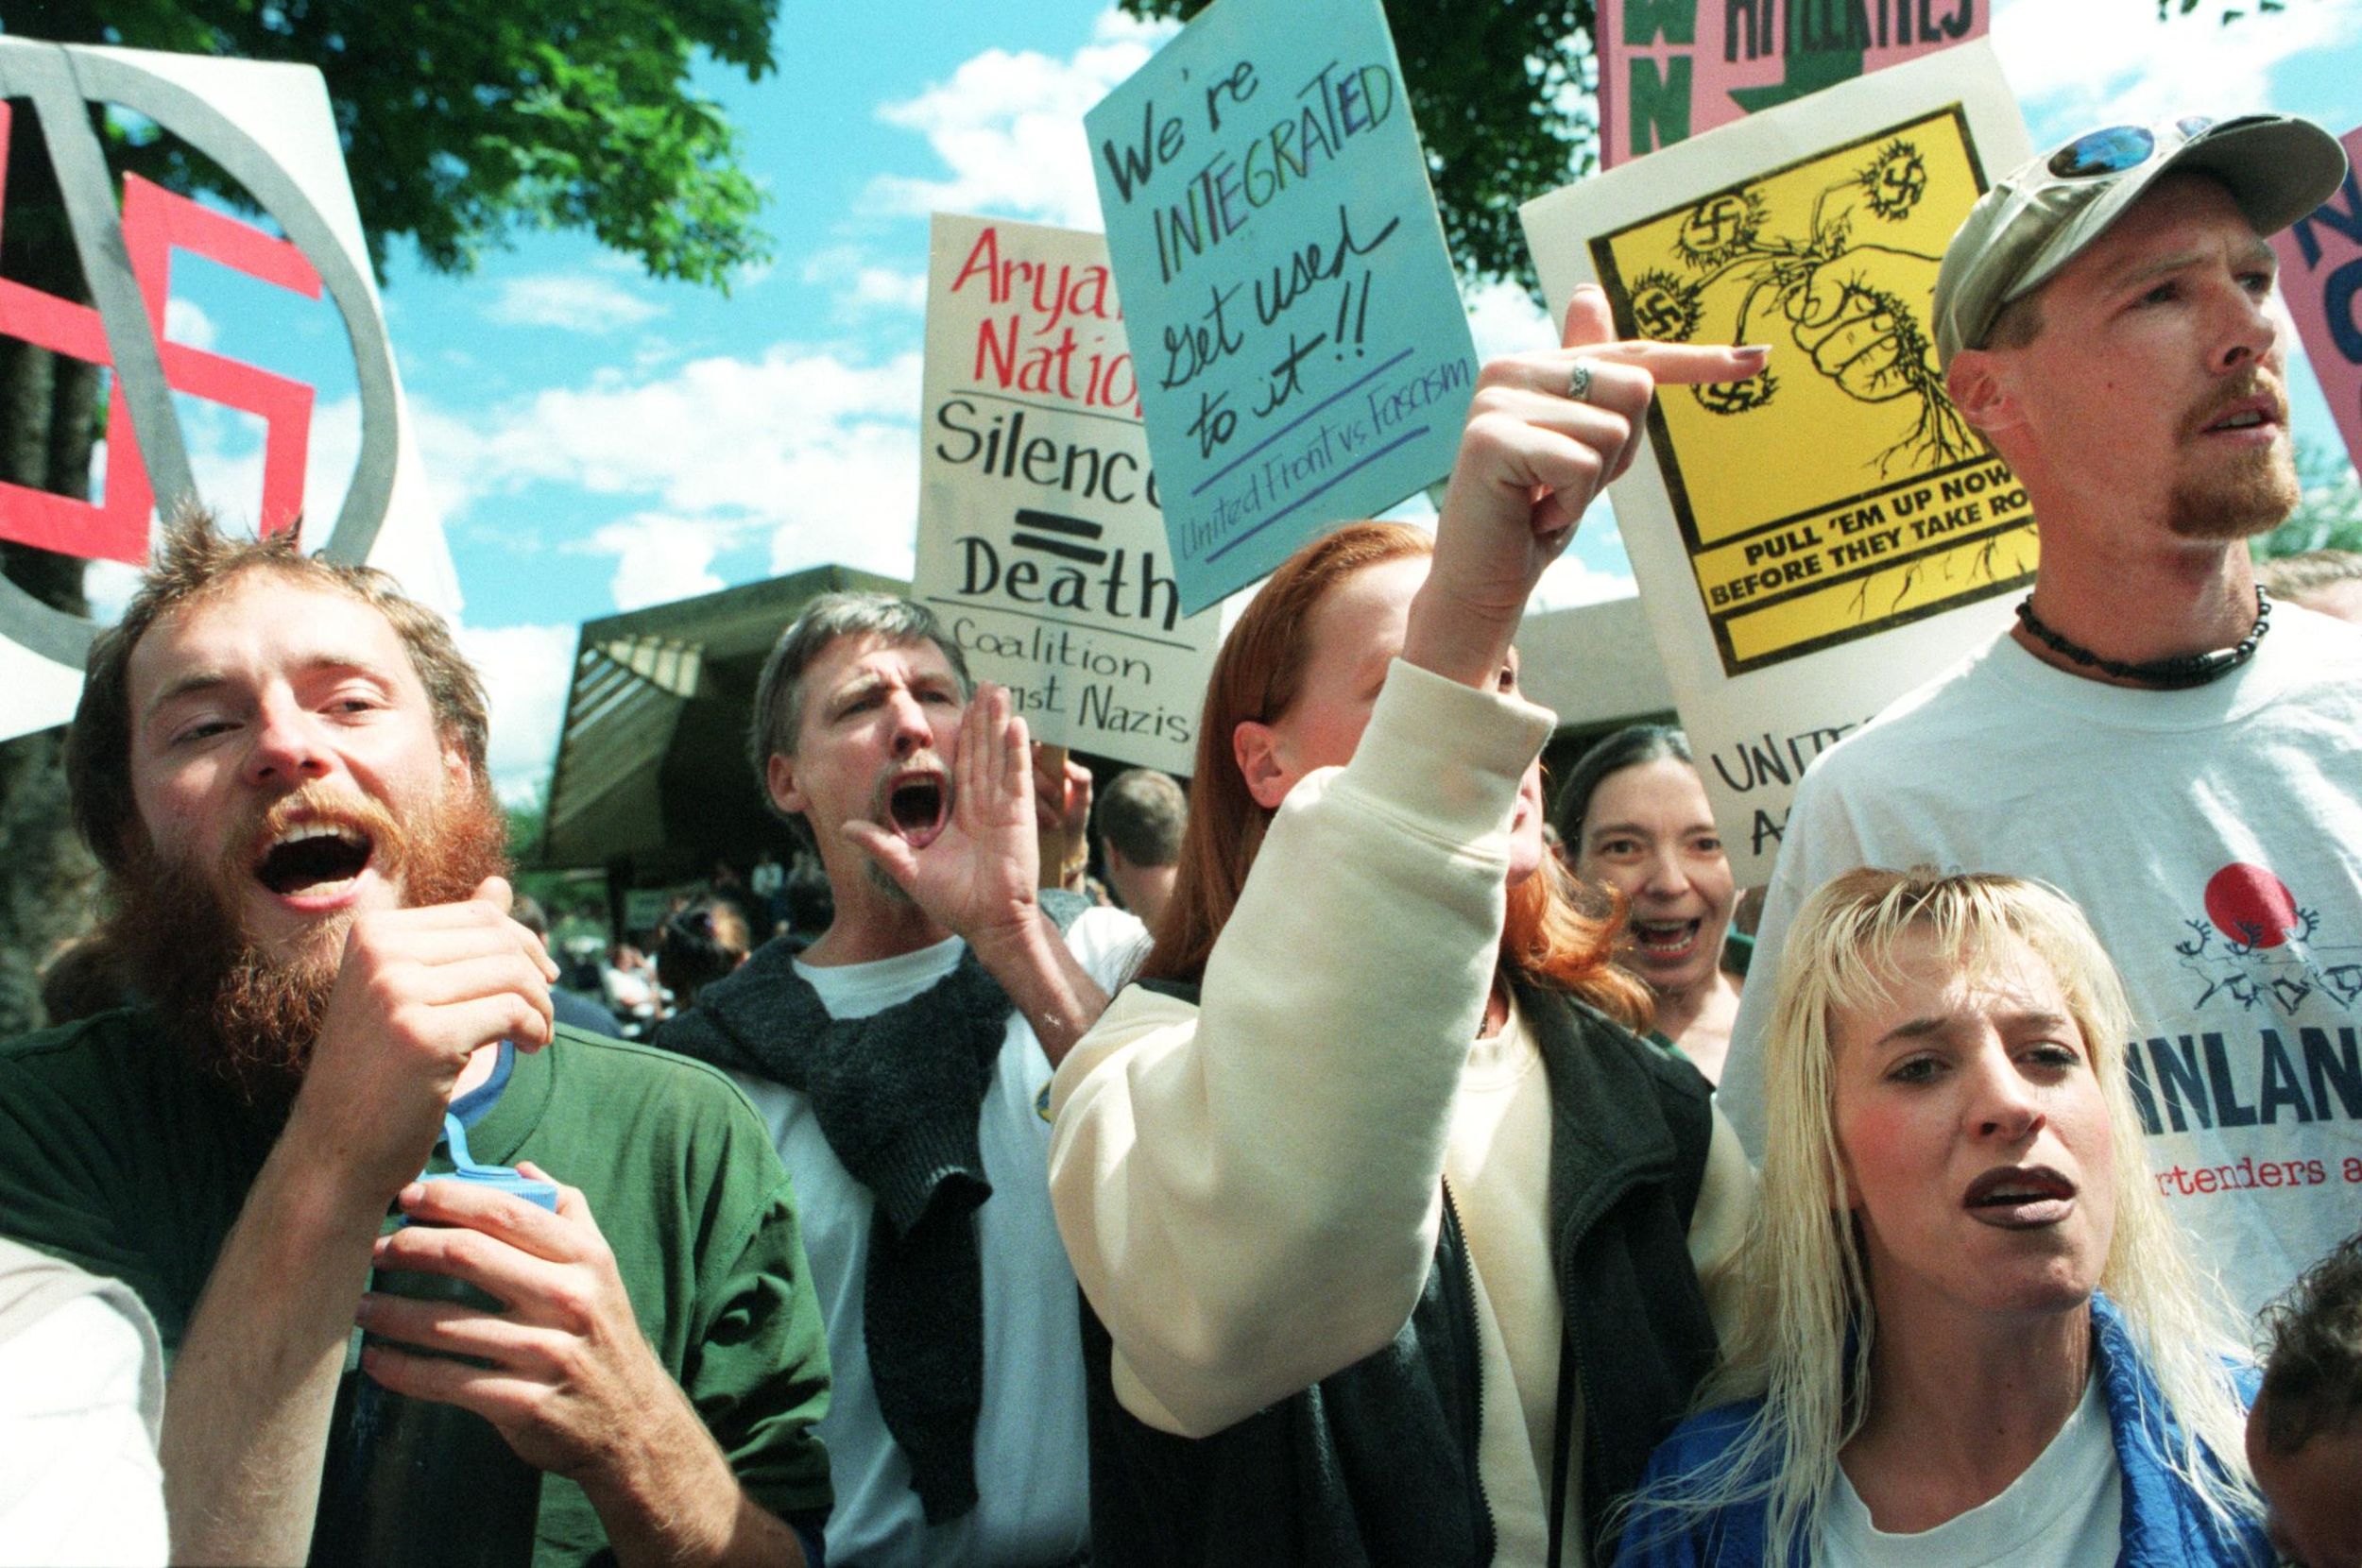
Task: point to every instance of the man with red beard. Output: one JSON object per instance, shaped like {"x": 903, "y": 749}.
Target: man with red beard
{"x": 280, "y": 762}
{"x": 2178, "y": 753}
{"x": 902, "y": 1062}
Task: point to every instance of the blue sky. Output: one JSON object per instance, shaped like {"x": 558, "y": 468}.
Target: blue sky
{"x": 597, "y": 440}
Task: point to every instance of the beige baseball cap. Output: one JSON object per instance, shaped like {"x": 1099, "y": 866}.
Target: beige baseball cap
{"x": 2278, "y": 168}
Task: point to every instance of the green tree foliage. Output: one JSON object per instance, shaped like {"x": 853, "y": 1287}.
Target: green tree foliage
{"x": 563, "y": 894}
{"x": 465, "y": 119}
{"x": 2330, "y": 515}
{"x": 1504, "y": 93}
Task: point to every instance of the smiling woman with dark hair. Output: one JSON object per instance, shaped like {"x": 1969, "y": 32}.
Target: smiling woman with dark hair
{"x": 1634, "y": 816}
{"x": 1976, "y": 1333}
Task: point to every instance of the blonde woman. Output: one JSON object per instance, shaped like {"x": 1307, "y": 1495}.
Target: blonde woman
{"x": 1978, "y": 1335}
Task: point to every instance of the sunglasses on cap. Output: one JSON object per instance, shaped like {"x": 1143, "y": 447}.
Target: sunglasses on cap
{"x": 2121, "y": 148}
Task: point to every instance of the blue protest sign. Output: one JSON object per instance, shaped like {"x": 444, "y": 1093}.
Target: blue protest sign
{"x": 1304, "y": 357}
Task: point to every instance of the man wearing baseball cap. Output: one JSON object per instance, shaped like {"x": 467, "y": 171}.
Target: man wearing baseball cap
{"x": 2181, "y": 755}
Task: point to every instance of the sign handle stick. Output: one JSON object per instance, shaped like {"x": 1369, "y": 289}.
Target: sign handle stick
{"x": 1065, "y": 849}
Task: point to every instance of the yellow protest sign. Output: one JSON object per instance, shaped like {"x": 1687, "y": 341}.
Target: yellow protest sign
{"x": 1838, "y": 493}
{"x": 1815, "y": 541}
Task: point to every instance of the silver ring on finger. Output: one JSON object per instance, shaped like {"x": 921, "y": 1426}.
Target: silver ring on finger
{"x": 1578, "y": 380}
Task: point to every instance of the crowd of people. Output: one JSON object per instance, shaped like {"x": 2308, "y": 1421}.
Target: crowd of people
{"x": 1384, "y": 1142}
{"x": 630, "y": 987}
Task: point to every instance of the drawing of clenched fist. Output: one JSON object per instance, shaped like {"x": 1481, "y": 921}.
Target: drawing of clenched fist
{"x": 1863, "y": 338}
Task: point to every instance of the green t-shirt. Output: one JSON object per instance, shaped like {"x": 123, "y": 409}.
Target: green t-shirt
{"x": 116, "y": 1155}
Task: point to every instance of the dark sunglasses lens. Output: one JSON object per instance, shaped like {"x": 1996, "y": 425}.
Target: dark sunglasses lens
{"x": 2109, "y": 151}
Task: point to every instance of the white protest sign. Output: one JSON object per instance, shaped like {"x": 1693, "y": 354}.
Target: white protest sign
{"x": 1814, "y": 541}
{"x": 1040, "y": 541}
{"x": 271, "y": 128}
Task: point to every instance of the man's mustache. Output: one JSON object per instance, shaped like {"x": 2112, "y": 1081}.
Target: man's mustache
{"x": 317, "y": 802}
{"x": 2256, "y": 384}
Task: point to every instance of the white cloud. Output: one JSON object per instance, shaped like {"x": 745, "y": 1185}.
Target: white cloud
{"x": 1010, "y": 129}
{"x": 881, "y": 286}
{"x": 719, "y": 433}
{"x": 661, "y": 558}
{"x": 2074, "y": 64}
{"x": 1573, "y": 580}
{"x": 861, "y": 508}
{"x": 185, "y": 321}
{"x": 526, "y": 672}
{"x": 1504, "y": 319}
{"x": 861, "y": 285}
{"x": 577, "y": 301}
{"x": 817, "y": 450}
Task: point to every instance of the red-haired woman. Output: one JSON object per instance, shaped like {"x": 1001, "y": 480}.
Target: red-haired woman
{"x": 1396, "y": 1232}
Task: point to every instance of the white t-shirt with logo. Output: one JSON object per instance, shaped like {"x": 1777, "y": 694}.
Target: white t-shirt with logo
{"x": 1032, "y": 1471}
{"x": 2214, "y": 836}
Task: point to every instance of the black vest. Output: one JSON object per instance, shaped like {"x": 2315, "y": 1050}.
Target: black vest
{"x": 1376, "y": 1466}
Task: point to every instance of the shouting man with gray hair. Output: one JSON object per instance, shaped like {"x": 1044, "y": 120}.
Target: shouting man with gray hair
{"x": 902, "y": 1062}
{"x": 2176, "y": 752}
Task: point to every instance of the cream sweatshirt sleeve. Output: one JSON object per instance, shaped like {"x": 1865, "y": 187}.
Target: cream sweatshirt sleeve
{"x": 1250, "y": 1189}
{"x": 1718, "y": 1224}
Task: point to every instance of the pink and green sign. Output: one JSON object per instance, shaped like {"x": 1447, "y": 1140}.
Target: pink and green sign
{"x": 2320, "y": 277}
{"x": 1669, "y": 69}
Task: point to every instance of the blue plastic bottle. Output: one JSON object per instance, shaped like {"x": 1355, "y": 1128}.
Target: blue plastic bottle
{"x": 410, "y": 1483}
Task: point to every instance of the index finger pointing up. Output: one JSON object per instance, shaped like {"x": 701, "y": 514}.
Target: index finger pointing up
{"x": 1589, "y": 322}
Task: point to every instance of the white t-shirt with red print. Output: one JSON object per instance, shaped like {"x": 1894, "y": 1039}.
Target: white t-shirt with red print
{"x": 2214, "y": 836}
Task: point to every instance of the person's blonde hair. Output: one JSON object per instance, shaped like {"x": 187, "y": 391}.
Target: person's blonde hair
{"x": 1805, "y": 1290}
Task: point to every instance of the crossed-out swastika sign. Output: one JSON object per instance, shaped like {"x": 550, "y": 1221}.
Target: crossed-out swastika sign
{"x": 156, "y": 223}
{"x": 265, "y": 126}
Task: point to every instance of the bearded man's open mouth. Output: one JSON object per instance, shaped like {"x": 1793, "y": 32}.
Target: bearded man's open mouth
{"x": 313, "y": 858}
